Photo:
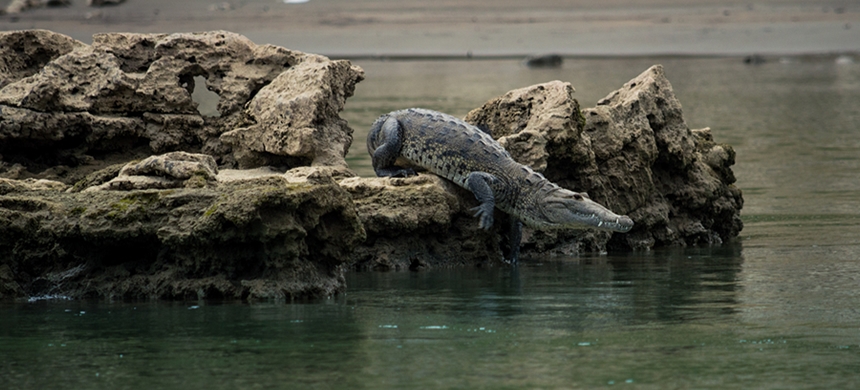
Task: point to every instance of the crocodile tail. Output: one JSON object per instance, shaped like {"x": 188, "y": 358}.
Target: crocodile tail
{"x": 373, "y": 135}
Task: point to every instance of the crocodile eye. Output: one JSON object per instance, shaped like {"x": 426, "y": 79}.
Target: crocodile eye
{"x": 577, "y": 196}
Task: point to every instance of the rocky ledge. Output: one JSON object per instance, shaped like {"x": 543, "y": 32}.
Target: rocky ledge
{"x": 114, "y": 185}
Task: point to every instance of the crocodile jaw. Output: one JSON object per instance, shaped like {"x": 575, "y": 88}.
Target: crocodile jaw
{"x": 565, "y": 209}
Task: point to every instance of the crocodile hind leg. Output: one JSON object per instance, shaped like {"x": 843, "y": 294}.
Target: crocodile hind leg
{"x": 479, "y": 184}
{"x": 385, "y": 155}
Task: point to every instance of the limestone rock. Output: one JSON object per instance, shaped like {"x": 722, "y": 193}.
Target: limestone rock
{"x": 9, "y": 286}
{"x": 296, "y": 117}
{"x": 180, "y": 222}
{"x": 97, "y": 178}
{"x": 261, "y": 238}
{"x": 534, "y": 123}
{"x": 24, "y": 53}
{"x": 542, "y": 127}
{"x": 128, "y": 96}
{"x": 677, "y": 182}
{"x": 232, "y": 175}
{"x": 632, "y": 153}
{"x": 318, "y": 175}
{"x": 10, "y": 186}
{"x": 175, "y": 165}
{"x": 420, "y": 221}
{"x": 170, "y": 170}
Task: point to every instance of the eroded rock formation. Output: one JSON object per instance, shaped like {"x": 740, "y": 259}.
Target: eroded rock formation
{"x": 420, "y": 221}
{"x": 113, "y": 185}
{"x": 633, "y": 153}
{"x": 261, "y": 236}
{"x": 68, "y": 109}
{"x": 125, "y": 190}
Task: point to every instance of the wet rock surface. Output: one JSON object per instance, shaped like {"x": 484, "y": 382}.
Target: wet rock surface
{"x": 113, "y": 185}
{"x": 417, "y": 222}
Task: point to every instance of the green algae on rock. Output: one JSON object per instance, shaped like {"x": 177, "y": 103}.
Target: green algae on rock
{"x": 147, "y": 215}
{"x": 113, "y": 186}
{"x": 261, "y": 238}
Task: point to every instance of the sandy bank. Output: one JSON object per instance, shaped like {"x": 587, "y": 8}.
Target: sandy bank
{"x": 343, "y": 28}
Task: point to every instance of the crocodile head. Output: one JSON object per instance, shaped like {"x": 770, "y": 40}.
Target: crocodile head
{"x": 559, "y": 208}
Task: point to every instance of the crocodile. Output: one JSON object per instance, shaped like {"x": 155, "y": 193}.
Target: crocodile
{"x": 406, "y": 141}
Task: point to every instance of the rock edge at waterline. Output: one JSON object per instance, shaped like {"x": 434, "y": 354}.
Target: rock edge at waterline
{"x": 114, "y": 185}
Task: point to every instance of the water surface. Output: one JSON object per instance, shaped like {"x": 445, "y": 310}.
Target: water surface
{"x": 777, "y": 308}
{"x": 669, "y": 319}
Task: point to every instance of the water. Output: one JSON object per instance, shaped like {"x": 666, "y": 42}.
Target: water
{"x": 777, "y": 308}
{"x": 682, "y": 318}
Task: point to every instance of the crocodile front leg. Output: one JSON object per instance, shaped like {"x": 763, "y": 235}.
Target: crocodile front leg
{"x": 385, "y": 155}
{"x": 479, "y": 184}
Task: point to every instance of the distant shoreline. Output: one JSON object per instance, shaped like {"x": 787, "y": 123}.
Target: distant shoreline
{"x": 449, "y": 29}
{"x": 519, "y": 57}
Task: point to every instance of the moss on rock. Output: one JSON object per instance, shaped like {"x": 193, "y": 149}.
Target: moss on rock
{"x": 255, "y": 239}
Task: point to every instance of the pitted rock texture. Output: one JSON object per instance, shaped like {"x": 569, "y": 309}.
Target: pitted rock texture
{"x": 260, "y": 237}
{"x": 169, "y": 170}
{"x": 632, "y": 153}
{"x": 68, "y": 109}
{"x": 535, "y": 123}
{"x": 25, "y": 53}
{"x": 305, "y": 128}
{"x": 113, "y": 185}
{"x": 420, "y": 221}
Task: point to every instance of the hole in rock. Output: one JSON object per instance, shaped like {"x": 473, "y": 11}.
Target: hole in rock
{"x": 207, "y": 101}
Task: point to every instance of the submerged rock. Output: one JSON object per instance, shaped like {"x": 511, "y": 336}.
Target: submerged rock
{"x": 102, "y": 3}
{"x": 543, "y": 61}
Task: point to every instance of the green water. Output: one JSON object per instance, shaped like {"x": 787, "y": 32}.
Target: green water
{"x": 668, "y": 319}
{"x": 778, "y": 308}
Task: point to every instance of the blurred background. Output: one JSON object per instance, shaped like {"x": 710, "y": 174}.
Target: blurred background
{"x": 340, "y": 28}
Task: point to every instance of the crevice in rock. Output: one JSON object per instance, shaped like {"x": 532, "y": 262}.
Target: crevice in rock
{"x": 256, "y": 89}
